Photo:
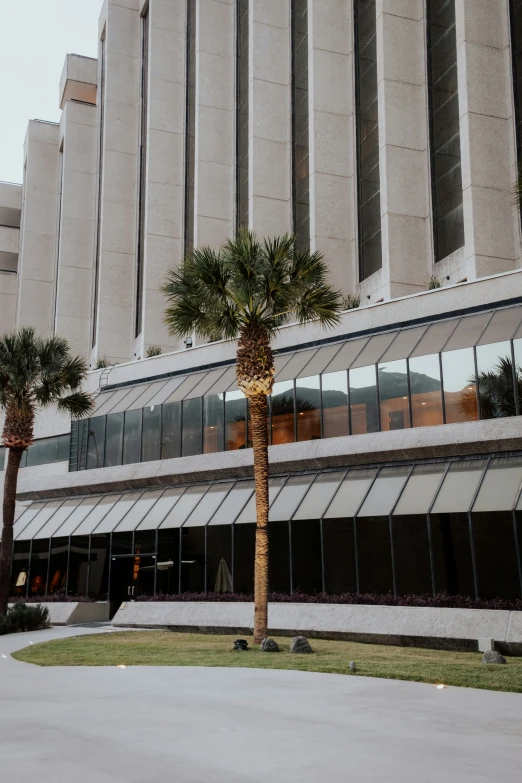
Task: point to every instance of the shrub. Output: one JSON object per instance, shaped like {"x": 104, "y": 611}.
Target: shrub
{"x": 54, "y": 598}
{"x": 433, "y": 283}
{"x": 22, "y": 617}
{"x": 153, "y": 350}
{"x": 351, "y": 302}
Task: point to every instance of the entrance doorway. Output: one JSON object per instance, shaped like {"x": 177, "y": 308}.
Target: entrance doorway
{"x": 131, "y": 576}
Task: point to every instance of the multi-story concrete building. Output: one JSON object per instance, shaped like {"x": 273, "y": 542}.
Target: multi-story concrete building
{"x": 387, "y": 135}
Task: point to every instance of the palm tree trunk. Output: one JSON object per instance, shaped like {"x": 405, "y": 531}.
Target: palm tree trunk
{"x": 6, "y": 548}
{"x": 259, "y": 418}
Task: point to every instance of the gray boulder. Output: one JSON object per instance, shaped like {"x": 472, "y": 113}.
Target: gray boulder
{"x": 269, "y": 645}
{"x": 492, "y": 656}
{"x": 300, "y": 644}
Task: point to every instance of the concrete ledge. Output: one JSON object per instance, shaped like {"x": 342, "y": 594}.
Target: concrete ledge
{"x": 400, "y": 625}
{"x": 74, "y": 613}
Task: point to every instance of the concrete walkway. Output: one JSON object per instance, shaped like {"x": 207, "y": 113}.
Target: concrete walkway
{"x": 187, "y": 725}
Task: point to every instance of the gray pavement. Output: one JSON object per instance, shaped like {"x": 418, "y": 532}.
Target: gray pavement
{"x": 138, "y": 725}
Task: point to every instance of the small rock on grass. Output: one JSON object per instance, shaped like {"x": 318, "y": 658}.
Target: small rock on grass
{"x": 300, "y": 644}
{"x": 492, "y": 656}
{"x": 269, "y": 645}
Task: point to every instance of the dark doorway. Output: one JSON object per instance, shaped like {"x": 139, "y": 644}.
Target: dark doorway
{"x": 131, "y": 577}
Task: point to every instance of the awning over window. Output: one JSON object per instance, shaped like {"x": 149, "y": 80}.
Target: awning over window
{"x": 457, "y": 486}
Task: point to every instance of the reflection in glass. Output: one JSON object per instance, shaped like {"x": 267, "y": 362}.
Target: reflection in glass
{"x": 412, "y": 554}
{"x": 426, "y": 391}
{"x": 39, "y": 567}
{"x": 300, "y": 134}
{"x": 192, "y": 434}
{"x": 122, "y": 544}
{"x": 283, "y": 407}
{"x": 219, "y": 559}
{"x": 46, "y": 450}
{"x": 452, "y": 554}
{"x": 151, "y": 443}
{"x": 213, "y": 412}
{"x": 374, "y": 555}
{"x": 335, "y": 404}
{"x": 114, "y": 440}
{"x": 339, "y": 556}
{"x": 78, "y": 566}
{"x": 167, "y": 578}
{"x": 445, "y": 128}
{"x": 278, "y": 557}
{"x": 145, "y": 542}
{"x": 132, "y": 437}
{"x": 496, "y": 555}
{"x": 460, "y": 391}
{"x": 95, "y": 443}
{"x": 364, "y": 413}
{"x": 235, "y": 420}
{"x": 306, "y": 556}
{"x": 192, "y": 559}
{"x": 99, "y": 567}
{"x": 495, "y": 380}
{"x": 393, "y": 395}
{"x": 58, "y": 566}
{"x": 370, "y": 243}
{"x": 244, "y": 551}
{"x": 308, "y": 408}
{"x": 171, "y": 435}
{"x": 20, "y": 569}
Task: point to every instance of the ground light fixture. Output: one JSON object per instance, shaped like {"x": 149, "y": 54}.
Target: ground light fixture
{"x": 439, "y": 687}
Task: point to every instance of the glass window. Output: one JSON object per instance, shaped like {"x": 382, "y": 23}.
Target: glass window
{"x": 20, "y": 569}
{"x": 374, "y": 555}
{"x": 193, "y": 559}
{"x": 339, "y": 556}
{"x": 279, "y": 557}
{"x": 235, "y": 420}
{"x": 122, "y": 544}
{"x": 96, "y": 443}
{"x": 47, "y": 450}
{"x": 117, "y": 511}
{"x": 300, "y": 131}
{"x": 290, "y": 497}
{"x": 233, "y": 503}
{"x": 248, "y": 515}
{"x": 192, "y": 433}
{"x": 364, "y": 414}
{"x": 24, "y": 520}
{"x": 190, "y": 123}
{"x": 45, "y": 513}
{"x": 351, "y": 493}
{"x": 283, "y": 408}
{"x": 2, "y": 457}
{"x": 213, "y": 417}
{"x": 318, "y": 497}
{"x": 145, "y": 542}
{"x": 219, "y": 559}
{"x": 54, "y": 525}
{"x": 58, "y": 566}
{"x": 139, "y": 510}
{"x": 186, "y": 505}
{"x": 98, "y": 587}
{"x": 78, "y": 515}
{"x": 426, "y": 391}
{"x": 78, "y": 566}
{"x": 171, "y": 443}
{"x": 496, "y": 555}
{"x": 161, "y": 509}
{"x": 39, "y": 567}
{"x": 412, "y": 554}
{"x": 132, "y": 437}
{"x": 393, "y": 395}
{"x": 366, "y": 93}
{"x": 114, "y": 440}
{"x": 445, "y": 128}
{"x": 308, "y": 408}
{"x": 244, "y": 553}
{"x": 501, "y": 486}
{"x": 151, "y": 438}
{"x": 306, "y": 556}
{"x": 167, "y": 578}
{"x": 495, "y": 380}
{"x": 208, "y": 504}
{"x": 242, "y": 113}
{"x": 459, "y": 487}
{"x": 460, "y": 390}
{"x": 420, "y": 490}
{"x": 335, "y": 404}
{"x": 94, "y": 513}
{"x": 385, "y": 491}
{"x": 453, "y": 568}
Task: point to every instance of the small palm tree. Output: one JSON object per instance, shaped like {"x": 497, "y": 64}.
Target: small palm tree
{"x": 34, "y": 373}
{"x": 246, "y": 292}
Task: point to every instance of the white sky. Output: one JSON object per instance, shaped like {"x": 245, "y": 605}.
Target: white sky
{"x": 35, "y": 36}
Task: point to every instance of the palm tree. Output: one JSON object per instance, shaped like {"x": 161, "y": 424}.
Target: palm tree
{"x": 35, "y": 373}
{"x": 246, "y": 291}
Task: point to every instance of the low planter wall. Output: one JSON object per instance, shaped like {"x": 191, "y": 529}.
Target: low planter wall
{"x": 74, "y": 613}
{"x": 399, "y": 625}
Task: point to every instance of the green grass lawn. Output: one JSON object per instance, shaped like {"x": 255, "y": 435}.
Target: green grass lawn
{"x": 164, "y": 648}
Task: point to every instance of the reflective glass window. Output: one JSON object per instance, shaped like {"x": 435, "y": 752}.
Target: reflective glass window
{"x": 58, "y": 566}
{"x": 453, "y": 568}
{"x": 244, "y": 552}
{"x": 91, "y": 514}
{"x": 39, "y": 567}
{"x": 209, "y": 503}
{"x": 426, "y": 391}
{"x": 374, "y": 555}
{"x": 306, "y": 556}
{"x": 318, "y": 497}
{"x": 366, "y": 94}
{"x": 132, "y": 437}
{"x": 114, "y": 440}
{"x": 501, "y": 486}
{"x": 145, "y": 542}
{"x": 308, "y": 408}
{"x": 290, "y": 497}
{"x": 248, "y": 515}
{"x": 495, "y": 380}
{"x": 99, "y": 567}
{"x": 213, "y": 420}
{"x": 219, "y": 559}
{"x": 159, "y": 510}
{"x": 300, "y": 130}
{"x": 20, "y": 569}
{"x": 351, "y": 493}
{"x": 167, "y": 577}
{"x": 460, "y": 389}
{"x": 335, "y": 404}
{"x": 139, "y": 510}
{"x": 46, "y": 451}
{"x": 151, "y": 437}
{"x": 122, "y": 544}
{"x": 339, "y": 556}
{"x": 171, "y": 435}
{"x": 496, "y": 555}
{"x": 78, "y": 566}
{"x": 2, "y": 457}
{"x": 118, "y": 510}
{"x": 393, "y": 395}
{"x": 459, "y": 486}
{"x": 364, "y": 414}
{"x": 445, "y": 128}
{"x": 279, "y": 557}
{"x": 385, "y": 491}
{"x": 282, "y": 409}
{"x": 235, "y": 420}
{"x": 186, "y": 504}
{"x": 419, "y": 492}
{"x": 96, "y": 442}
{"x": 233, "y": 503}
{"x": 412, "y": 554}
{"x": 193, "y": 559}
{"x": 192, "y": 427}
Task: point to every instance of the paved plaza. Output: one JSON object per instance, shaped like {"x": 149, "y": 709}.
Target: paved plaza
{"x": 138, "y": 725}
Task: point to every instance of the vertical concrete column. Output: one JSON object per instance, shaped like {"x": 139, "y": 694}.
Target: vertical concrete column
{"x": 77, "y": 223}
{"x": 37, "y": 262}
{"x": 215, "y": 122}
{"x": 487, "y": 136}
{"x": 165, "y": 166}
{"x": 117, "y": 272}
{"x": 332, "y": 138}
{"x": 270, "y": 133}
{"x": 403, "y": 141}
